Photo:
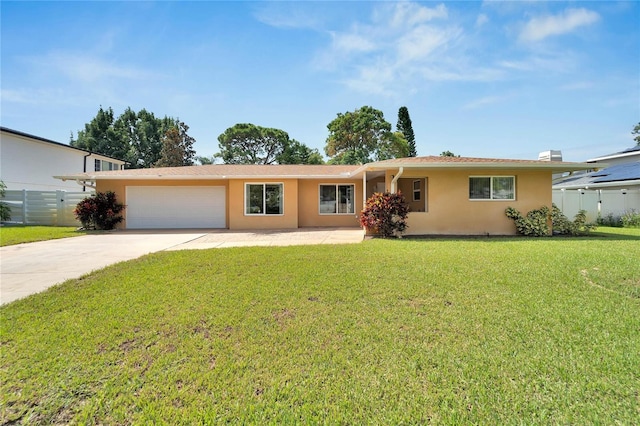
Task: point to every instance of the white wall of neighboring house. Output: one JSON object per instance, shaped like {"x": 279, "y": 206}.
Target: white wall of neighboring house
{"x": 30, "y": 163}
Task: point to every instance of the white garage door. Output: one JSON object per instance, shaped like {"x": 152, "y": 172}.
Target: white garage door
{"x": 156, "y": 207}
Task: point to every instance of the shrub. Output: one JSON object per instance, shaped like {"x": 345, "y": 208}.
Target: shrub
{"x": 385, "y": 214}
{"x": 99, "y": 211}
{"x": 5, "y": 211}
{"x": 563, "y": 226}
{"x": 631, "y": 219}
{"x": 609, "y": 220}
{"x": 534, "y": 224}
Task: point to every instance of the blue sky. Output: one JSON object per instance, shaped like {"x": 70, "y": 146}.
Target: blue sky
{"x": 482, "y": 79}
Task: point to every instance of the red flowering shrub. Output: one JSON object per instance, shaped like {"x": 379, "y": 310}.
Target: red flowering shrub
{"x": 99, "y": 211}
{"x": 385, "y": 213}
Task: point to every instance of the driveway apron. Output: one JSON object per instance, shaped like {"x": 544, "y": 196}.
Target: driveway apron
{"x": 26, "y": 269}
{"x": 31, "y": 268}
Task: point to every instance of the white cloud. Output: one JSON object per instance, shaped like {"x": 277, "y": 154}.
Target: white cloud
{"x": 409, "y": 14}
{"x": 92, "y": 69}
{"x": 481, "y": 20}
{"x": 288, "y": 15}
{"x": 351, "y": 42}
{"x": 540, "y": 28}
{"x": 420, "y": 42}
{"x": 487, "y": 100}
{"x": 578, "y": 85}
{"x": 402, "y": 41}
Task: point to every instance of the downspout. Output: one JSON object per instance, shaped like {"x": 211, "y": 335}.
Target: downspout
{"x": 84, "y": 168}
{"x": 395, "y": 180}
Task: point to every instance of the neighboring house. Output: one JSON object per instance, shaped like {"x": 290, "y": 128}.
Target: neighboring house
{"x": 447, "y": 195}
{"x": 30, "y": 162}
{"x": 613, "y": 190}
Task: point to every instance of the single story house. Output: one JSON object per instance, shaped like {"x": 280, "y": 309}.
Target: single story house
{"x": 30, "y": 162}
{"x": 447, "y": 195}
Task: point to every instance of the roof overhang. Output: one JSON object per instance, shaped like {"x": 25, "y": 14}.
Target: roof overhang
{"x": 600, "y": 185}
{"x": 93, "y": 178}
{"x": 552, "y": 166}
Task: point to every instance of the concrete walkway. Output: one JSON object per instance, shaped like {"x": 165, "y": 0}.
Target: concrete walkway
{"x": 30, "y": 268}
{"x": 283, "y": 237}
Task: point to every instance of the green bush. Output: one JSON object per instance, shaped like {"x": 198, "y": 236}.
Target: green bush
{"x": 99, "y": 211}
{"x": 631, "y": 219}
{"x": 609, "y": 220}
{"x": 385, "y": 213}
{"x": 5, "y": 211}
{"x": 534, "y": 224}
{"x": 563, "y": 226}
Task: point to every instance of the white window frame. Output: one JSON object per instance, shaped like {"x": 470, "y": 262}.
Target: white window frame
{"x": 336, "y": 185}
{"x": 264, "y": 198}
{"x": 491, "y": 193}
{"x": 417, "y": 191}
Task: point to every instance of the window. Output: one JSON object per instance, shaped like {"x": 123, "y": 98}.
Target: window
{"x": 263, "y": 198}
{"x": 337, "y": 199}
{"x": 102, "y": 165}
{"x": 416, "y": 190}
{"x": 492, "y": 188}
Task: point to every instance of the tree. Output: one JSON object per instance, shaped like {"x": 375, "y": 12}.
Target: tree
{"x": 177, "y": 147}
{"x": 358, "y": 137}
{"x": 133, "y": 137}
{"x": 205, "y": 161}
{"x": 448, "y": 154}
{"x": 5, "y": 210}
{"x": 636, "y": 131}
{"x": 404, "y": 126}
{"x": 394, "y": 145}
{"x": 99, "y": 136}
{"x": 246, "y": 143}
{"x": 298, "y": 153}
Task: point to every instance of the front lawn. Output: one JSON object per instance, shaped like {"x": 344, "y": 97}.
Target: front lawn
{"x": 447, "y": 331}
{"x": 18, "y": 234}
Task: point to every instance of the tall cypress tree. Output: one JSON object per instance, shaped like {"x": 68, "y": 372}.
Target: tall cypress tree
{"x": 404, "y": 126}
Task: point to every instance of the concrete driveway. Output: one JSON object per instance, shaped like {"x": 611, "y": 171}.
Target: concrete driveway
{"x": 31, "y": 268}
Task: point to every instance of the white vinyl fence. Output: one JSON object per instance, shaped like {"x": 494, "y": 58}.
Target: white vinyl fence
{"x": 54, "y": 208}
{"x": 597, "y": 202}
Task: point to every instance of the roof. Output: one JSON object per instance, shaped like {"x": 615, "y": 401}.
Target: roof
{"x": 629, "y": 152}
{"x": 620, "y": 174}
{"x": 238, "y": 171}
{"x": 49, "y": 141}
{"x": 224, "y": 171}
{"x": 434, "y": 162}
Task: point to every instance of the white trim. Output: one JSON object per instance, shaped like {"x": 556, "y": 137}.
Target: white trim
{"x": 419, "y": 191}
{"x": 264, "y": 199}
{"x": 336, "y": 185}
{"x": 491, "y": 177}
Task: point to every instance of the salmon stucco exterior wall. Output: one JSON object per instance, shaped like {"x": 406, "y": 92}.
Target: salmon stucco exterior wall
{"x": 237, "y": 218}
{"x": 309, "y": 204}
{"x": 451, "y": 212}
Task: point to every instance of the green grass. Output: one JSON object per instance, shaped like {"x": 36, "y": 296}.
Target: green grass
{"x": 447, "y": 331}
{"x": 17, "y": 234}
